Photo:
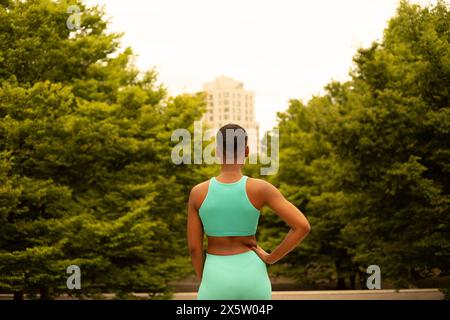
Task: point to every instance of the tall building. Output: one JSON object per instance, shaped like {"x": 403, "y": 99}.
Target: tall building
{"x": 229, "y": 102}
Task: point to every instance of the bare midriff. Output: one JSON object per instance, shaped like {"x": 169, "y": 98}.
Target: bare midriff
{"x": 226, "y": 245}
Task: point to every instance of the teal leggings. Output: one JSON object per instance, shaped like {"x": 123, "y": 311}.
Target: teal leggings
{"x": 241, "y": 276}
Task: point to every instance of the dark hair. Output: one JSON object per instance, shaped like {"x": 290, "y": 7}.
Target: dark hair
{"x": 238, "y": 134}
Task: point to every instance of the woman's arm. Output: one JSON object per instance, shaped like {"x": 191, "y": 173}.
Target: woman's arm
{"x": 195, "y": 236}
{"x": 292, "y": 216}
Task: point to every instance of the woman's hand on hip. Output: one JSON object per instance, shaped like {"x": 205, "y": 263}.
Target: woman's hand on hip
{"x": 262, "y": 254}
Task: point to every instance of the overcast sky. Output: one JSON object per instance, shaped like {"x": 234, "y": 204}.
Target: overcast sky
{"x": 280, "y": 49}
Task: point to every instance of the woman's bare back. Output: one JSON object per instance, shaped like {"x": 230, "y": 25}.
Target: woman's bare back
{"x": 227, "y": 245}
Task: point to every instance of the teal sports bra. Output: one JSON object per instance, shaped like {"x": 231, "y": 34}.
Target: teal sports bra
{"x": 227, "y": 210}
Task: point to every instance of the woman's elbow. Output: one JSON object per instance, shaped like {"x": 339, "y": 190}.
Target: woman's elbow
{"x": 307, "y": 228}
{"x": 303, "y": 229}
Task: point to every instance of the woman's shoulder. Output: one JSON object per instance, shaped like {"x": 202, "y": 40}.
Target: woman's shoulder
{"x": 258, "y": 183}
{"x": 200, "y": 186}
{"x": 199, "y": 191}
{"x": 258, "y": 187}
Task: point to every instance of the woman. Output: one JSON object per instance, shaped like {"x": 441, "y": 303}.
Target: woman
{"x": 227, "y": 209}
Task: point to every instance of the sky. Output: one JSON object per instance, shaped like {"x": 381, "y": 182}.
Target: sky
{"x": 279, "y": 49}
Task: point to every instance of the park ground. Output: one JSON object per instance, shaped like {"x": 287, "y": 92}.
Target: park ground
{"x": 404, "y": 294}
{"x": 389, "y": 294}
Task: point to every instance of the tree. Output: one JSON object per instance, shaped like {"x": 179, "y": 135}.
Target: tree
{"x": 368, "y": 160}
{"x": 85, "y": 159}
{"x": 398, "y": 142}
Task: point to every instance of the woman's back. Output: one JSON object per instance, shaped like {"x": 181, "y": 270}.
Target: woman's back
{"x": 232, "y": 270}
{"x": 229, "y": 212}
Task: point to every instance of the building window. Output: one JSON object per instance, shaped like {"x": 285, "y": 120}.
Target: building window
{"x": 226, "y": 94}
{"x": 225, "y": 117}
{"x": 211, "y": 97}
{"x": 226, "y": 109}
{"x": 226, "y": 102}
{"x": 211, "y": 118}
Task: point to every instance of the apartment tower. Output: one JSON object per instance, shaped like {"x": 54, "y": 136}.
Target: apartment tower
{"x": 229, "y": 102}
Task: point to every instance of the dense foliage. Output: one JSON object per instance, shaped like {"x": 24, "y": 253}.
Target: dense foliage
{"x": 85, "y": 168}
{"x": 368, "y": 161}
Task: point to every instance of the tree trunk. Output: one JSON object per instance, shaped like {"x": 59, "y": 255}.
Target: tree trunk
{"x": 352, "y": 280}
{"x": 340, "y": 279}
{"x": 362, "y": 279}
{"x": 45, "y": 293}
{"x": 341, "y": 284}
{"x": 18, "y": 295}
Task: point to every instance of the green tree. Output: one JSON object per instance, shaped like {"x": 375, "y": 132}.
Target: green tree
{"x": 368, "y": 160}
{"x": 85, "y": 146}
{"x": 398, "y": 143}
